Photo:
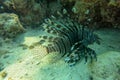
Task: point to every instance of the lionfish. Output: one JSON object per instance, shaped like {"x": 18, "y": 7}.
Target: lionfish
{"x": 69, "y": 38}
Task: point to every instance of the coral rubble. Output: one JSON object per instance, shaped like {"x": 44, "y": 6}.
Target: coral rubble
{"x": 105, "y": 12}
{"x": 10, "y": 25}
{"x": 29, "y": 11}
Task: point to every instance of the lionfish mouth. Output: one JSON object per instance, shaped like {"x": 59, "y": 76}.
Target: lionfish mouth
{"x": 68, "y": 37}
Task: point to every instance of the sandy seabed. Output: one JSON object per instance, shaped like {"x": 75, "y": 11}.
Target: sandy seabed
{"x": 19, "y": 60}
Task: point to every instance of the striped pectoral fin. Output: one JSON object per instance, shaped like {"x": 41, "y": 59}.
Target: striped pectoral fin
{"x": 50, "y": 48}
{"x": 89, "y": 53}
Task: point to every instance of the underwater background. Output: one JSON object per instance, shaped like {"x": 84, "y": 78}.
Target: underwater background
{"x": 59, "y": 39}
